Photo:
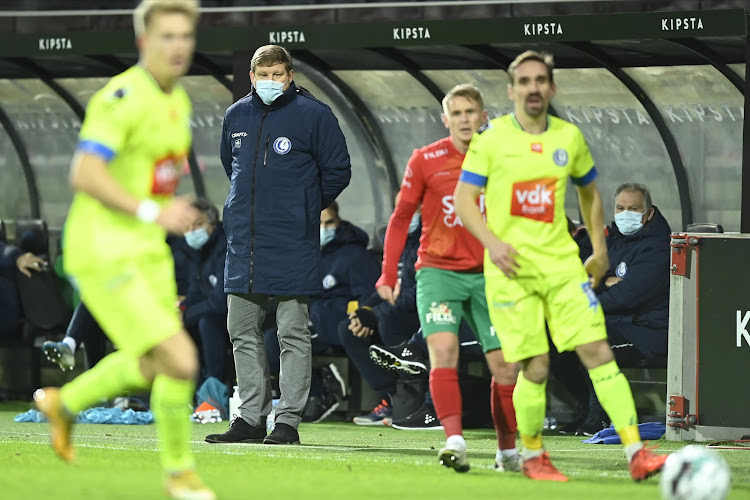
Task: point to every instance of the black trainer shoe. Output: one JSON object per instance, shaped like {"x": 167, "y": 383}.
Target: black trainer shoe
{"x": 406, "y": 358}
{"x": 282, "y": 434}
{"x": 424, "y": 419}
{"x": 593, "y": 424}
{"x": 333, "y": 381}
{"x": 318, "y": 408}
{"x": 570, "y": 428}
{"x": 239, "y": 432}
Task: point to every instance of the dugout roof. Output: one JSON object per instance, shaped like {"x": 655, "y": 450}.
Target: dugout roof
{"x": 659, "y": 96}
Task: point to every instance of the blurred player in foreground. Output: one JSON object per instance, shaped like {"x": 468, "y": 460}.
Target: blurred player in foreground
{"x": 134, "y": 140}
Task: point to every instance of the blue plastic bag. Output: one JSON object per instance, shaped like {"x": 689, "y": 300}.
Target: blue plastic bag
{"x": 648, "y": 430}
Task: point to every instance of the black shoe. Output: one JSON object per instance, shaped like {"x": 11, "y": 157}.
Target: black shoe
{"x": 282, "y": 434}
{"x": 424, "y": 419}
{"x": 406, "y": 358}
{"x": 333, "y": 381}
{"x": 593, "y": 424}
{"x": 239, "y": 432}
{"x": 570, "y": 429}
{"x": 318, "y": 408}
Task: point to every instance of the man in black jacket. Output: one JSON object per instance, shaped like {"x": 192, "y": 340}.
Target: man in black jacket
{"x": 376, "y": 321}
{"x": 634, "y": 293}
{"x": 13, "y": 260}
{"x": 204, "y": 308}
{"x": 349, "y": 273}
{"x": 286, "y": 159}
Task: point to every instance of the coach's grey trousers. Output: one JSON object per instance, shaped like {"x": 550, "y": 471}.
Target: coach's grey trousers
{"x": 245, "y": 325}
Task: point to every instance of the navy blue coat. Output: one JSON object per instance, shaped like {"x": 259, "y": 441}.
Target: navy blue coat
{"x": 285, "y": 162}
{"x": 642, "y": 261}
{"x": 349, "y": 273}
{"x": 407, "y": 298}
{"x": 184, "y": 262}
{"x": 205, "y": 293}
{"x": 10, "y": 304}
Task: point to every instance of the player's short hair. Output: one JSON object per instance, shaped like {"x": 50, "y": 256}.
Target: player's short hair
{"x": 271, "y": 55}
{"x": 465, "y": 90}
{"x": 634, "y": 186}
{"x": 144, "y": 13}
{"x": 208, "y": 209}
{"x": 532, "y": 55}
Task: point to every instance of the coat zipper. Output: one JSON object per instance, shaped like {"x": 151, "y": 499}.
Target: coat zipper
{"x": 252, "y": 209}
{"x": 265, "y": 151}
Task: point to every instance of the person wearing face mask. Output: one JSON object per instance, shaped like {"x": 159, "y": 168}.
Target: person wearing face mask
{"x": 204, "y": 308}
{"x": 286, "y": 159}
{"x": 634, "y": 294}
{"x": 348, "y": 273}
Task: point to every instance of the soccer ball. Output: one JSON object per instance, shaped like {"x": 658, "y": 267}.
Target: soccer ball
{"x": 695, "y": 473}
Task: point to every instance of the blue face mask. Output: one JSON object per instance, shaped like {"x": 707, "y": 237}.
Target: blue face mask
{"x": 629, "y": 222}
{"x": 414, "y": 224}
{"x": 269, "y": 90}
{"x": 196, "y": 239}
{"x": 326, "y": 235}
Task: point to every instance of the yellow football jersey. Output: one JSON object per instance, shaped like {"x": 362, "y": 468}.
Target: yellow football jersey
{"x": 144, "y": 135}
{"x": 525, "y": 177}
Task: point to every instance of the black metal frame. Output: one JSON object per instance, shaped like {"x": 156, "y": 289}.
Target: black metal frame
{"x": 363, "y": 113}
{"x": 212, "y": 69}
{"x": 23, "y": 157}
{"x": 745, "y": 180}
{"x": 413, "y": 69}
{"x": 683, "y": 184}
{"x": 44, "y": 76}
{"x": 713, "y": 58}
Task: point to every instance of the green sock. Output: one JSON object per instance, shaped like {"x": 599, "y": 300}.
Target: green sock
{"x": 112, "y": 376}
{"x": 613, "y": 391}
{"x": 530, "y": 402}
{"x": 170, "y": 402}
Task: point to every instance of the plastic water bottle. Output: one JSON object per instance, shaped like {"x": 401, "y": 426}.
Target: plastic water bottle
{"x": 550, "y": 423}
{"x": 270, "y": 421}
{"x": 234, "y": 403}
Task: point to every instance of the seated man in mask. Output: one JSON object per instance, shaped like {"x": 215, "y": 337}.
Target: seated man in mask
{"x": 204, "y": 309}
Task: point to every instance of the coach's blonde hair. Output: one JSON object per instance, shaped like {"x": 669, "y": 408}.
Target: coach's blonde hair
{"x": 465, "y": 90}
{"x": 532, "y": 55}
{"x": 271, "y": 55}
{"x": 144, "y": 13}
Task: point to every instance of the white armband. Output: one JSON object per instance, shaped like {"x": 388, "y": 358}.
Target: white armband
{"x": 148, "y": 211}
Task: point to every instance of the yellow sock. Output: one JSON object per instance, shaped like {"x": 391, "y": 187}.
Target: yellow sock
{"x": 170, "y": 402}
{"x": 113, "y": 376}
{"x": 530, "y": 402}
{"x": 613, "y": 391}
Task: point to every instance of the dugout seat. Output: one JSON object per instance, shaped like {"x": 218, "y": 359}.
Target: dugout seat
{"x": 44, "y": 310}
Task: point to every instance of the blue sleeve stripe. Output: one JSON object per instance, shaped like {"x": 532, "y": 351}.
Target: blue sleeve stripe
{"x": 586, "y": 179}
{"x": 96, "y": 148}
{"x": 472, "y": 178}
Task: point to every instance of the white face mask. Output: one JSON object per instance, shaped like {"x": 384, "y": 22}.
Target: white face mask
{"x": 269, "y": 90}
{"x": 629, "y": 222}
{"x": 196, "y": 239}
{"x": 326, "y": 235}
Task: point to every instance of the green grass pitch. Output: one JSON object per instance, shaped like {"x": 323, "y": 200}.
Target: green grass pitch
{"x": 335, "y": 460}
